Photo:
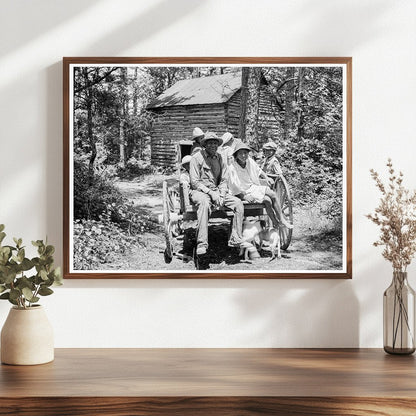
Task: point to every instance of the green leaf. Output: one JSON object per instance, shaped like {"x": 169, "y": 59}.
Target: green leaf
{"x": 2, "y": 288}
{"x": 26, "y": 264}
{"x": 43, "y": 274}
{"x": 49, "y": 250}
{"x": 2, "y": 236}
{"x": 24, "y": 282}
{"x": 56, "y": 276}
{"x": 15, "y": 294}
{"x": 21, "y": 255}
{"x": 17, "y": 241}
{"x": 9, "y": 277}
{"x": 27, "y": 293}
{"x": 2, "y": 227}
{"x": 37, "y": 243}
{"x": 45, "y": 291}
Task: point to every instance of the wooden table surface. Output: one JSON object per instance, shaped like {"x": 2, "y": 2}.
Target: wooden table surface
{"x": 212, "y": 382}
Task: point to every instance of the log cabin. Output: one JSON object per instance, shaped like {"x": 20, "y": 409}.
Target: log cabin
{"x": 212, "y": 103}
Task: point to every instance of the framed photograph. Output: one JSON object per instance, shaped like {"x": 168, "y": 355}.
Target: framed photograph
{"x": 207, "y": 168}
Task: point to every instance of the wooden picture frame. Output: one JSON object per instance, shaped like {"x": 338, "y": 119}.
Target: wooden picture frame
{"x": 117, "y": 108}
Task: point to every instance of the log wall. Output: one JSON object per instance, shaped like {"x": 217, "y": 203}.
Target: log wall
{"x": 173, "y": 124}
{"x": 268, "y": 126}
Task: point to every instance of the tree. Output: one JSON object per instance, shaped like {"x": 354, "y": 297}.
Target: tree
{"x": 249, "y": 112}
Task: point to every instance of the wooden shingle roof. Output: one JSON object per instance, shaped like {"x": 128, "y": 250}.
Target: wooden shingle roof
{"x": 204, "y": 90}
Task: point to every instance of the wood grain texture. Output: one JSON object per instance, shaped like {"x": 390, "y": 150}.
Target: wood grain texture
{"x": 207, "y": 406}
{"x": 67, "y": 61}
{"x": 212, "y": 381}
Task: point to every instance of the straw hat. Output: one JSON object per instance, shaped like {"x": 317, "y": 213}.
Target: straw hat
{"x": 241, "y": 146}
{"x": 210, "y": 135}
{"x": 270, "y": 145}
{"x": 226, "y": 137}
{"x": 186, "y": 159}
{"x": 197, "y": 133}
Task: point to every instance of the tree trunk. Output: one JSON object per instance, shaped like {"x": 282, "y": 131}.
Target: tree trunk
{"x": 123, "y": 116}
{"x": 90, "y": 132}
{"x": 243, "y": 107}
{"x": 135, "y": 94}
{"x": 250, "y": 98}
{"x": 122, "y": 145}
{"x": 289, "y": 101}
{"x": 299, "y": 122}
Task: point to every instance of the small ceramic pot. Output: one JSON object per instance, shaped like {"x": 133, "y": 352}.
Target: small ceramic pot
{"x": 27, "y": 337}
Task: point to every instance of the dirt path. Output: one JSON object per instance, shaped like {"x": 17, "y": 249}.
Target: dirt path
{"x": 309, "y": 249}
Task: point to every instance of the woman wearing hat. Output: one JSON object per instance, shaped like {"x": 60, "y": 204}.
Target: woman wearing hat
{"x": 271, "y": 165}
{"x": 228, "y": 146}
{"x": 244, "y": 182}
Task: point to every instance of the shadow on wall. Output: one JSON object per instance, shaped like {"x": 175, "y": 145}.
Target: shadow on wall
{"x": 139, "y": 28}
{"x": 162, "y": 15}
{"x": 303, "y": 314}
{"x": 350, "y": 24}
{"x": 41, "y": 16}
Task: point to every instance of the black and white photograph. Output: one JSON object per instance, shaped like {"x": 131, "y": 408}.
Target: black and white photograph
{"x": 218, "y": 168}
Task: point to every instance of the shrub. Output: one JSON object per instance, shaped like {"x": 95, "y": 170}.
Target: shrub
{"x": 97, "y": 243}
{"x": 92, "y": 196}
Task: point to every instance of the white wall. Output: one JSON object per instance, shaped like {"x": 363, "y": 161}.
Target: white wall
{"x": 380, "y": 35}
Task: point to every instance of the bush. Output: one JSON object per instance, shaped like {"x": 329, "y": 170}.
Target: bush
{"x": 92, "y": 196}
{"x": 97, "y": 243}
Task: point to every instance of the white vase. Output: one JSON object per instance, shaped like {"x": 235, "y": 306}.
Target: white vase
{"x": 27, "y": 337}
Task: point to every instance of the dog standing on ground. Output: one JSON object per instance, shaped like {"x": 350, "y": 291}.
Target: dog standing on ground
{"x": 256, "y": 233}
{"x": 271, "y": 238}
{"x": 251, "y": 229}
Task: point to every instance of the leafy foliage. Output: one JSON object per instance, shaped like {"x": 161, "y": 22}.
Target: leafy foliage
{"x": 15, "y": 285}
{"x": 98, "y": 242}
{"x": 308, "y": 111}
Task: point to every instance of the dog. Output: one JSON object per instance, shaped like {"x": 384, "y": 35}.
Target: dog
{"x": 270, "y": 237}
{"x": 251, "y": 229}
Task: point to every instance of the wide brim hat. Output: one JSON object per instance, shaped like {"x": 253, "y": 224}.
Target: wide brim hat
{"x": 270, "y": 145}
{"x": 186, "y": 159}
{"x": 210, "y": 135}
{"x": 241, "y": 146}
{"x": 226, "y": 137}
{"x": 197, "y": 133}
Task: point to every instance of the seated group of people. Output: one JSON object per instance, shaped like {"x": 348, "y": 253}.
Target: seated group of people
{"x": 222, "y": 174}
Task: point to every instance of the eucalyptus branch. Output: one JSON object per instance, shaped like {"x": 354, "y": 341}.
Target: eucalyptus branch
{"x": 17, "y": 285}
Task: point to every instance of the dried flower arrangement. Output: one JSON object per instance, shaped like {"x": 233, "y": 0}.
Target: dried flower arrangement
{"x": 396, "y": 216}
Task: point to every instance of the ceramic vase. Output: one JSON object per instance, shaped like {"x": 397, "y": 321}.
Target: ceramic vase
{"x": 27, "y": 337}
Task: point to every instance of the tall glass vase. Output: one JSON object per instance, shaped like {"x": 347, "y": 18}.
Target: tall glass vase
{"x": 399, "y": 316}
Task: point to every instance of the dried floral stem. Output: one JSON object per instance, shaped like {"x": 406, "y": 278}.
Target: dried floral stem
{"x": 396, "y": 216}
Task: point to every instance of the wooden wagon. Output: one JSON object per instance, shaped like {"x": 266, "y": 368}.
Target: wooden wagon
{"x": 178, "y": 208}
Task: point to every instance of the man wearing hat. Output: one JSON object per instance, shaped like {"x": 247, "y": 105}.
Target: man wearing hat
{"x": 271, "y": 164}
{"x": 209, "y": 189}
{"x": 197, "y": 136}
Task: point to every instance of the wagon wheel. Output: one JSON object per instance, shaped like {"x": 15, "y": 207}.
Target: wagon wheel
{"x": 168, "y": 254}
{"x": 174, "y": 206}
{"x": 281, "y": 188}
